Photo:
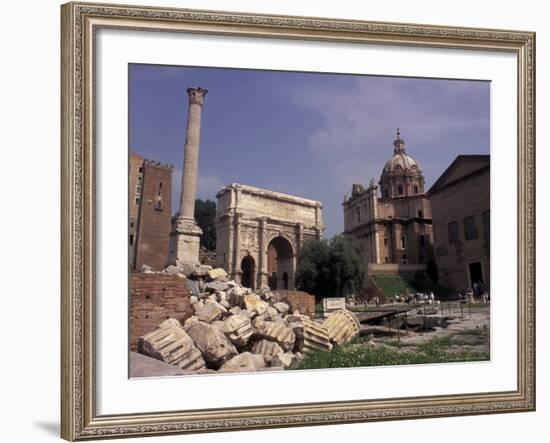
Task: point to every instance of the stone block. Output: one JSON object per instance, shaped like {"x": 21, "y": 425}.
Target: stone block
{"x": 235, "y": 310}
{"x": 193, "y": 287}
{"x": 201, "y": 271}
{"x": 215, "y": 286}
{"x": 186, "y": 268}
{"x": 268, "y": 349}
{"x": 287, "y": 360}
{"x": 217, "y": 274}
{"x": 342, "y": 326}
{"x": 144, "y": 366}
{"x": 254, "y": 304}
{"x": 311, "y": 336}
{"x": 171, "y": 344}
{"x": 281, "y": 307}
{"x": 278, "y": 332}
{"x": 238, "y": 329}
{"x": 245, "y": 362}
{"x": 214, "y": 345}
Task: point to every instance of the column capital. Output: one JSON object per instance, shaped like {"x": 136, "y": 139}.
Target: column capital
{"x": 196, "y": 95}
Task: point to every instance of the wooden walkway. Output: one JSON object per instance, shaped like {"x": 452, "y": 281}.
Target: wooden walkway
{"x": 382, "y": 311}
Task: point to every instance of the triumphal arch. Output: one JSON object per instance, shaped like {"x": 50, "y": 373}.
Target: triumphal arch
{"x": 260, "y": 233}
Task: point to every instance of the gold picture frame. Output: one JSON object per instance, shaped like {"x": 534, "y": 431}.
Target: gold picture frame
{"x": 80, "y": 21}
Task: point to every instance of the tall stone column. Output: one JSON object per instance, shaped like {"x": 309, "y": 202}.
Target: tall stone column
{"x": 263, "y": 283}
{"x": 186, "y": 233}
{"x": 236, "y": 274}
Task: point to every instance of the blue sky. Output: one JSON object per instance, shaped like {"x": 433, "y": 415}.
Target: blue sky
{"x": 306, "y": 134}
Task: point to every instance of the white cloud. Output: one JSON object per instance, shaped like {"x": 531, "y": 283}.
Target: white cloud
{"x": 365, "y": 116}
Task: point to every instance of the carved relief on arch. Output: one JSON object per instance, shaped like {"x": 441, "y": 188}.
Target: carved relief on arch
{"x": 249, "y": 238}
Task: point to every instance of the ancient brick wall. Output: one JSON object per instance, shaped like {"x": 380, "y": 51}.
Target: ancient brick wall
{"x": 154, "y": 223}
{"x": 153, "y": 299}
{"x": 298, "y": 301}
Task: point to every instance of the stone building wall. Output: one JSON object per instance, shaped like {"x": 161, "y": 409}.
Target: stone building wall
{"x": 154, "y": 223}
{"x": 462, "y": 191}
{"x": 134, "y": 203}
{"x": 153, "y": 299}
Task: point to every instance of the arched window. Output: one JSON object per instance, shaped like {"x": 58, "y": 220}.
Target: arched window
{"x": 158, "y": 204}
{"x": 400, "y": 189}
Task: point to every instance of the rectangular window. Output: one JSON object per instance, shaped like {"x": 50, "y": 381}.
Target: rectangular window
{"x": 136, "y": 201}
{"x": 385, "y": 241}
{"x": 131, "y": 239}
{"x": 415, "y": 189}
{"x": 400, "y": 189}
{"x": 422, "y": 241}
{"x": 470, "y": 228}
{"x": 486, "y": 224}
{"x": 452, "y": 229}
{"x": 420, "y": 213}
{"x": 403, "y": 242}
{"x": 160, "y": 185}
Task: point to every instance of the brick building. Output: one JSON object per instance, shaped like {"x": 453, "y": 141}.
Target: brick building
{"x": 395, "y": 227}
{"x": 461, "y": 222}
{"x": 150, "y": 185}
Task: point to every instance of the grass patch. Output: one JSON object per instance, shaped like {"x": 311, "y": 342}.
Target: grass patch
{"x": 391, "y": 284}
{"x": 358, "y": 354}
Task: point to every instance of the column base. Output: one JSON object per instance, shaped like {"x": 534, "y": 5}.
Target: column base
{"x": 185, "y": 242}
{"x": 263, "y": 281}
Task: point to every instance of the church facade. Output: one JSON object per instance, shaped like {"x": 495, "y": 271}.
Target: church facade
{"x": 392, "y": 220}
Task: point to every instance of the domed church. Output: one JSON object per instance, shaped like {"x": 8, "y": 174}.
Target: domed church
{"x": 395, "y": 225}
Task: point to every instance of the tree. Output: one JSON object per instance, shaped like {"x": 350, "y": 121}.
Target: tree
{"x": 205, "y": 215}
{"x": 334, "y": 268}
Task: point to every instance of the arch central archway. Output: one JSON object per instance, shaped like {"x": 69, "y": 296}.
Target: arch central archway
{"x": 280, "y": 263}
{"x": 248, "y": 268}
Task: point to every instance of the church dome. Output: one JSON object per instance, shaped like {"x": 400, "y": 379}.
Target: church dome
{"x": 400, "y": 161}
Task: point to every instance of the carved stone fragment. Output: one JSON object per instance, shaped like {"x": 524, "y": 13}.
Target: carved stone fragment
{"x": 210, "y": 312}
{"x": 245, "y": 362}
{"x": 254, "y": 304}
{"x": 217, "y": 274}
{"x": 278, "y": 332}
{"x": 171, "y": 344}
{"x": 285, "y": 360}
{"x": 215, "y": 347}
{"x": 342, "y": 326}
{"x": 268, "y": 349}
{"x": 238, "y": 329}
{"x": 311, "y": 336}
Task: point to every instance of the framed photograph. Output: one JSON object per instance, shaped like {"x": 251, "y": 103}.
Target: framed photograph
{"x": 277, "y": 221}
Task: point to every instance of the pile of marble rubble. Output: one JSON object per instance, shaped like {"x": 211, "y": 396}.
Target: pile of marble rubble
{"x": 235, "y": 329}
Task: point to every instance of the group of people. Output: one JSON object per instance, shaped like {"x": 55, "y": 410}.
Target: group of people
{"x": 478, "y": 291}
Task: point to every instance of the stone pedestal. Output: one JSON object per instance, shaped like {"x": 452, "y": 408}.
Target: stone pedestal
{"x": 186, "y": 241}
